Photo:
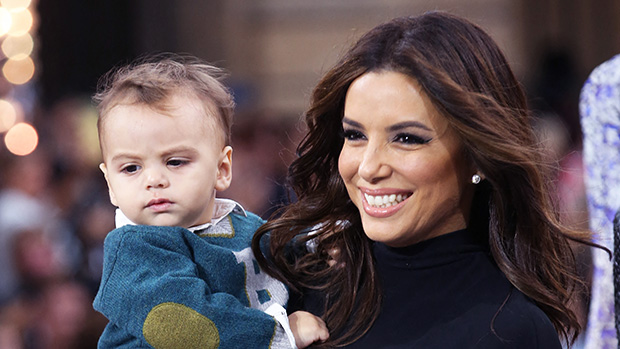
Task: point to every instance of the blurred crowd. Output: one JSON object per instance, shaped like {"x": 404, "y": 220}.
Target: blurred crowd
{"x": 55, "y": 213}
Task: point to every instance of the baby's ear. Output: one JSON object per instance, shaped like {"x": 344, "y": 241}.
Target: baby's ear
{"x": 104, "y": 169}
{"x": 224, "y": 169}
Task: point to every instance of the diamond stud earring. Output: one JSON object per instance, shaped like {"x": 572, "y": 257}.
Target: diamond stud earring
{"x": 475, "y": 179}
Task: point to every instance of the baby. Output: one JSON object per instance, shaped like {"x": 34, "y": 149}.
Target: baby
{"x": 178, "y": 270}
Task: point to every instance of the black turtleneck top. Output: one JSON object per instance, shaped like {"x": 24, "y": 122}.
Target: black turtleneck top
{"x": 447, "y": 292}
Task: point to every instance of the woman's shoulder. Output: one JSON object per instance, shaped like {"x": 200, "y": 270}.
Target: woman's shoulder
{"x": 520, "y": 323}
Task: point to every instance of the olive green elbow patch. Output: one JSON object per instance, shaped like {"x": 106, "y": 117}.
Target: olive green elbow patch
{"x": 174, "y": 325}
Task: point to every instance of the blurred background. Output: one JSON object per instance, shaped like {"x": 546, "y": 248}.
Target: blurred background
{"x": 54, "y": 208}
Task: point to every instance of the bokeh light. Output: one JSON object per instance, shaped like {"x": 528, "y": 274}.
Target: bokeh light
{"x": 22, "y": 22}
{"x": 18, "y": 47}
{"x": 15, "y": 4}
{"x": 8, "y": 115}
{"x": 18, "y": 68}
{"x": 22, "y": 139}
{"x": 5, "y": 21}
{"x": 18, "y": 71}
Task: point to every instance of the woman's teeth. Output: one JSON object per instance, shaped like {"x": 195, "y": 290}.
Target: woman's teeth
{"x": 383, "y": 201}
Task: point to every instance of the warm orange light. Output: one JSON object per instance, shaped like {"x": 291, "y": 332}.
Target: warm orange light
{"x": 8, "y": 115}
{"x": 15, "y": 4}
{"x": 18, "y": 47}
{"x": 22, "y": 22}
{"x": 21, "y": 139}
{"x": 5, "y": 21}
{"x": 18, "y": 71}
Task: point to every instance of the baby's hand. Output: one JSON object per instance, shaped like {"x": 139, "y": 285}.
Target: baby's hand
{"x": 307, "y": 328}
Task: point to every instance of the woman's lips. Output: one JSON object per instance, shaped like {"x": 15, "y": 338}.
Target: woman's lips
{"x": 383, "y": 203}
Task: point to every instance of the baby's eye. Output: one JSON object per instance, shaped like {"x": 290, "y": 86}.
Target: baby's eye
{"x": 408, "y": 138}
{"x": 177, "y": 162}
{"x": 130, "y": 169}
{"x": 353, "y": 135}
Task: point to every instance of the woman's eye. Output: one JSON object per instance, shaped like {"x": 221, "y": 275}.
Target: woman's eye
{"x": 352, "y": 135}
{"x": 130, "y": 169}
{"x": 408, "y": 138}
{"x": 176, "y": 162}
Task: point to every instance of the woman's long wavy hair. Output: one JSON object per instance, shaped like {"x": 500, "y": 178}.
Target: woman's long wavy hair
{"x": 469, "y": 81}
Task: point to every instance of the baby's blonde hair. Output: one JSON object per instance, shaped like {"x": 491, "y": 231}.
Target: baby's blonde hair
{"x": 153, "y": 79}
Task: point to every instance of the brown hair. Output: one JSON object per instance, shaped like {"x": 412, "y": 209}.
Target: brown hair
{"x": 151, "y": 80}
{"x": 470, "y": 82}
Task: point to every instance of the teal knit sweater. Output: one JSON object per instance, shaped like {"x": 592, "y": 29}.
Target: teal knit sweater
{"x": 166, "y": 287}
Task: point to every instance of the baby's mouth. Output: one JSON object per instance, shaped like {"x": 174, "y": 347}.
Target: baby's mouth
{"x": 159, "y": 203}
{"x": 382, "y": 201}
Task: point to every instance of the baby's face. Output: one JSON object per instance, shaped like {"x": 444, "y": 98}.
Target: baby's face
{"x": 163, "y": 168}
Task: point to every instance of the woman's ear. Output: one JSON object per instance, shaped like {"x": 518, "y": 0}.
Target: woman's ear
{"x": 224, "y": 169}
{"x": 104, "y": 169}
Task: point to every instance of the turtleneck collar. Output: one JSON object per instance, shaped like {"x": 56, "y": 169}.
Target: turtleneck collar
{"x": 440, "y": 250}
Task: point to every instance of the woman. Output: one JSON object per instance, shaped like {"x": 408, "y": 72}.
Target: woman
{"x": 423, "y": 217}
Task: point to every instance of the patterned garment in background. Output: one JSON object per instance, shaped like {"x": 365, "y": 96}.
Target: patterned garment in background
{"x": 600, "y": 120}
{"x": 617, "y": 270}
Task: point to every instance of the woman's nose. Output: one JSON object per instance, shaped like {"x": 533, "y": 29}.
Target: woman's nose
{"x": 374, "y": 165}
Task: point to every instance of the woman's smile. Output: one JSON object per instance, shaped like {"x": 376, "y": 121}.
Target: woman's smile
{"x": 383, "y": 202}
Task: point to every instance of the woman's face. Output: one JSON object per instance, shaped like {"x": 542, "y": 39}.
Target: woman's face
{"x": 403, "y": 165}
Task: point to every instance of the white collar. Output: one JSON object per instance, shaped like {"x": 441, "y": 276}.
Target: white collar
{"x": 222, "y": 208}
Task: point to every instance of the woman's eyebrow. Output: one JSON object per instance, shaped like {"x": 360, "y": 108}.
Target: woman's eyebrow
{"x": 391, "y": 128}
{"x": 350, "y": 122}
{"x": 407, "y": 124}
